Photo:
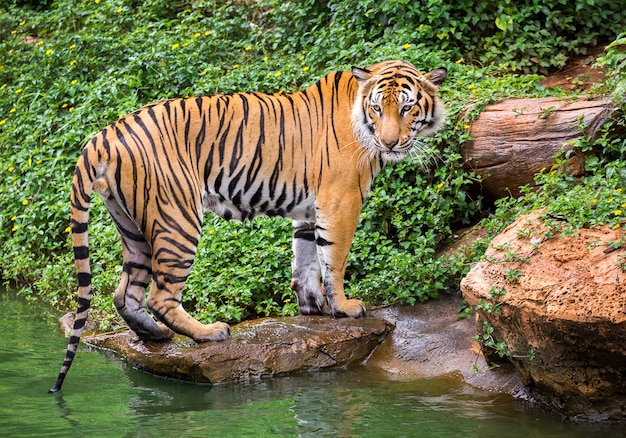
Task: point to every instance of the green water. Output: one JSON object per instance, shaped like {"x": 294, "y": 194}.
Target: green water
{"x": 103, "y": 396}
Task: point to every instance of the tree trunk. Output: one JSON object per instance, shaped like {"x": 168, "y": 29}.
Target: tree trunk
{"x": 514, "y": 139}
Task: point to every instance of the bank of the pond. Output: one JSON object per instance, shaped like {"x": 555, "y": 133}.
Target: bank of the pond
{"x": 106, "y": 397}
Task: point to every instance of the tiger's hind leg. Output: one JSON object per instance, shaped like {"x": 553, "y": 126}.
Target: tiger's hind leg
{"x": 306, "y": 271}
{"x": 130, "y": 295}
{"x": 129, "y": 298}
{"x": 172, "y": 257}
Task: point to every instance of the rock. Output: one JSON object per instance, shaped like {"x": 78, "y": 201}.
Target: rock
{"x": 430, "y": 341}
{"x": 258, "y": 348}
{"x": 566, "y": 299}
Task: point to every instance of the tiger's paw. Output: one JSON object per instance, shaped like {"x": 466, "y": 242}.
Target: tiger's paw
{"x": 311, "y": 300}
{"x": 218, "y": 331}
{"x": 349, "y": 308}
{"x": 157, "y": 333}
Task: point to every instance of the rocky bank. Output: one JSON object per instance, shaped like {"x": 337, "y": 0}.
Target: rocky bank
{"x": 564, "y": 297}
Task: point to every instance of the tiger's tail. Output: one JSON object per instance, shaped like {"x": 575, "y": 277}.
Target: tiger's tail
{"x": 82, "y": 187}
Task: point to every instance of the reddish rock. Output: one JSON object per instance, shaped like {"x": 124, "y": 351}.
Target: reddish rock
{"x": 566, "y": 299}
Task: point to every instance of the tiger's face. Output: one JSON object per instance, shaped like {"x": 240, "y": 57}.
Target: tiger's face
{"x": 395, "y": 105}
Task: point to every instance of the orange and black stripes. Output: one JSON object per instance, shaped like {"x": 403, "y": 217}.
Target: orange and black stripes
{"x": 310, "y": 156}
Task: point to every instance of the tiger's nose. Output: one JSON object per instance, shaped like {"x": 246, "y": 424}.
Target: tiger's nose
{"x": 389, "y": 143}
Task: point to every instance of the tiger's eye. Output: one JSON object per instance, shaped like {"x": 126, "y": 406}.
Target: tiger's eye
{"x": 406, "y": 109}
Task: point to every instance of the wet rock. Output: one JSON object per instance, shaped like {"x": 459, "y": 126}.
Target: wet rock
{"x": 566, "y": 299}
{"x": 430, "y": 341}
{"x": 258, "y": 348}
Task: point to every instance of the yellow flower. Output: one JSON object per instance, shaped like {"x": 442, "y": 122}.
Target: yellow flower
{"x": 22, "y": 23}
{"x": 12, "y": 110}
{"x": 71, "y": 109}
{"x": 19, "y": 90}
{"x": 119, "y": 10}
{"x": 440, "y": 185}
{"x": 459, "y": 61}
{"x": 13, "y": 218}
{"x": 407, "y": 45}
{"x": 301, "y": 58}
{"x": 15, "y": 227}
{"x": 235, "y": 66}
{"x": 3, "y": 86}
{"x": 265, "y": 59}
{"x": 471, "y": 86}
{"x": 196, "y": 35}
{"x": 73, "y": 61}
{"x": 175, "y": 46}
{"x": 594, "y": 201}
{"x": 618, "y": 190}
{"x": 11, "y": 169}
{"x": 306, "y": 68}
{"x": 2, "y": 122}
{"x": 13, "y": 32}
{"x": 64, "y": 105}
{"x": 248, "y": 48}
{"x": 25, "y": 202}
{"x": 38, "y": 162}
{"x": 73, "y": 46}
{"x": 68, "y": 230}
{"x": 287, "y": 300}
{"x": 466, "y": 126}
{"x": 74, "y": 81}
{"x": 45, "y": 140}
{"x": 278, "y": 73}
{"x": 207, "y": 33}
{"x": 608, "y": 201}
{"x": 203, "y": 72}
{"x": 49, "y": 52}
{"x": 618, "y": 212}
{"x": 40, "y": 43}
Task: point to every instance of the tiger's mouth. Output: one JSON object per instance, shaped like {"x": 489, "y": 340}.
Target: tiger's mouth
{"x": 394, "y": 156}
{"x": 397, "y": 153}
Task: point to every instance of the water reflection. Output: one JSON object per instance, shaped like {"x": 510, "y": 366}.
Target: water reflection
{"x": 105, "y": 396}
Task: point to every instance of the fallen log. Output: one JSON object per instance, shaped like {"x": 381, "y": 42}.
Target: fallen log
{"x": 514, "y": 139}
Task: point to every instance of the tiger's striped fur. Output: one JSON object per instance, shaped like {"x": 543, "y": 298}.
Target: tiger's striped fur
{"x": 310, "y": 156}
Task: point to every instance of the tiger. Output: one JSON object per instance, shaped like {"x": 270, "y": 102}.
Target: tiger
{"x": 309, "y": 156}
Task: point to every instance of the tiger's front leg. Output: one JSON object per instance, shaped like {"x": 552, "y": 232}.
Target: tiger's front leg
{"x": 336, "y": 223}
{"x": 306, "y": 271}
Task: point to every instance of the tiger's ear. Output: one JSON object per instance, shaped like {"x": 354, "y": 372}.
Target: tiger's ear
{"x": 437, "y": 76}
{"x": 361, "y": 74}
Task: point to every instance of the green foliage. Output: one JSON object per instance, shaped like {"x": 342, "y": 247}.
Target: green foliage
{"x": 68, "y": 68}
{"x": 528, "y": 35}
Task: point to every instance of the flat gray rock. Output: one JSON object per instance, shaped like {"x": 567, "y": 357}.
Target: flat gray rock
{"x": 259, "y": 348}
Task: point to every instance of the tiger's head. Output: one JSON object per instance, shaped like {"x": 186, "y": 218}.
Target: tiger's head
{"x": 396, "y": 104}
